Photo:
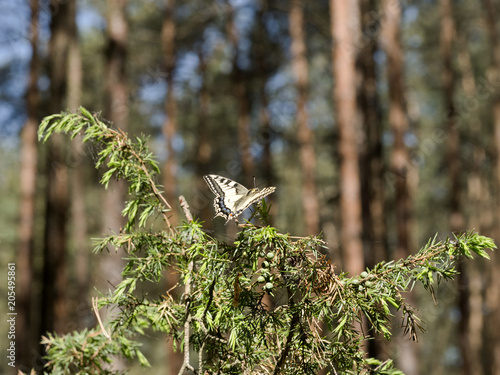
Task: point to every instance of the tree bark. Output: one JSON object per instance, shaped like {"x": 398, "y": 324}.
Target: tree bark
{"x": 77, "y": 178}
{"x": 55, "y": 281}
{"x": 174, "y": 358}
{"x": 243, "y": 102}
{"x": 372, "y": 186}
{"x": 266, "y": 137}
{"x": 203, "y": 198}
{"x": 492, "y": 298}
{"x": 170, "y": 123}
{"x": 345, "y": 31}
{"x": 372, "y": 163}
{"x": 447, "y": 37}
{"x": 305, "y": 135}
{"x": 398, "y": 122}
{"x": 117, "y": 111}
{"x": 27, "y": 184}
{"x": 476, "y": 196}
{"x": 264, "y": 66}
{"x": 400, "y": 161}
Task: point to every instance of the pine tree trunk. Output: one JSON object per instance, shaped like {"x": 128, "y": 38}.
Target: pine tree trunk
{"x": 260, "y": 51}
{"x": 203, "y": 199}
{"x": 447, "y": 37}
{"x": 477, "y": 205}
{"x": 266, "y": 136}
{"x": 345, "y": 31}
{"x": 372, "y": 186}
{"x": 116, "y": 110}
{"x": 305, "y": 135}
{"x": 398, "y": 121}
{"x": 174, "y": 358}
{"x": 492, "y": 296}
{"x": 27, "y": 184}
{"x": 400, "y": 165}
{"x": 451, "y": 127}
{"x": 372, "y": 164}
{"x": 54, "y": 312}
{"x": 243, "y": 103}
{"x": 78, "y": 211}
{"x": 170, "y": 123}
{"x": 345, "y": 28}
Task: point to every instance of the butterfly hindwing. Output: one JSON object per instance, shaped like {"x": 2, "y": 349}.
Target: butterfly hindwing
{"x": 253, "y": 196}
{"x": 232, "y": 198}
{"x": 227, "y": 192}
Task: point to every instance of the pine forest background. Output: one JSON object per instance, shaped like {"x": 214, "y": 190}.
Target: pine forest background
{"x": 377, "y": 121}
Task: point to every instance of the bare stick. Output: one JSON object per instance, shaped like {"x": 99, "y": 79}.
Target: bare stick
{"x": 96, "y": 312}
{"x": 185, "y": 207}
{"x": 187, "y": 292}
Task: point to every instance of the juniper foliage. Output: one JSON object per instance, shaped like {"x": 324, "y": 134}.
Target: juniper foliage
{"x": 222, "y": 314}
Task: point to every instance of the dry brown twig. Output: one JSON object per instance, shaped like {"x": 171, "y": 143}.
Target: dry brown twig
{"x": 98, "y": 316}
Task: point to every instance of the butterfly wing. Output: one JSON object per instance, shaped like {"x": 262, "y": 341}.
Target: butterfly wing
{"x": 224, "y": 186}
{"x": 232, "y": 198}
{"x": 227, "y": 193}
{"x": 253, "y": 196}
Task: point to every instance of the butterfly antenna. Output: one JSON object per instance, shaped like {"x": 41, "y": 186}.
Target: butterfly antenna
{"x": 254, "y": 182}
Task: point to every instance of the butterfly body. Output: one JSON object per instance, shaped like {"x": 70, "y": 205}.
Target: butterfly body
{"x": 232, "y": 198}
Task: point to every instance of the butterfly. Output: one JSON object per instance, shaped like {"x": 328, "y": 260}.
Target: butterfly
{"x": 232, "y": 198}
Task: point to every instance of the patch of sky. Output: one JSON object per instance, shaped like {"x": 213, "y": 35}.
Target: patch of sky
{"x": 282, "y": 113}
{"x": 278, "y": 146}
{"x": 410, "y": 140}
{"x": 187, "y": 67}
{"x": 12, "y": 106}
{"x": 14, "y": 32}
{"x": 157, "y": 117}
{"x": 159, "y": 143}
{"x": 212, "y": 38}
{"x": 283, "y": 107}
{"x": 244, "y": 18}
{"x": 379, "y": 57}
{"x": 274, "y": 26}
{"x": 11, "y": 121}
{"x": 153, "y": 91}
{"x": 410, "y": 14}
{"x": 88, "y": 18}
{"x": 387, "y": 138}
{"x": 159, "y": 148}
{"x": 320, "y": 114}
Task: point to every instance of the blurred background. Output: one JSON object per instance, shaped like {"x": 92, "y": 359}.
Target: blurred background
{"x": 377, "y": 121}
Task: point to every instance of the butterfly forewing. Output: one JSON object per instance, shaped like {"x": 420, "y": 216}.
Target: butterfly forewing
{"x": 232, "y": 198}
{"x": 224, "y": 186}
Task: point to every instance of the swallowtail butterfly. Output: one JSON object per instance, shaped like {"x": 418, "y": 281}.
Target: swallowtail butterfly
{"x": 232, "y": 198}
